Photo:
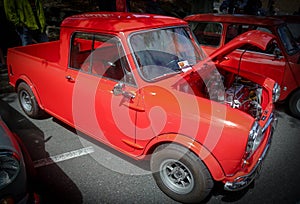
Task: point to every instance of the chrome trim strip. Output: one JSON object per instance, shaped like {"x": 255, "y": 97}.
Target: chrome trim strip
{"x": 268, "y": 123}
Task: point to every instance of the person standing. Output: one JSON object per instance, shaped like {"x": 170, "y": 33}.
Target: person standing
{"x": 123, "y": 5}
{"x": 27, "y": 16}
{"x": 253, "y": 7}
{"x": 114, "y": 5}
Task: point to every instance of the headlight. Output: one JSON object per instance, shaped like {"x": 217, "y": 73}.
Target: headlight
{"x": 254, "y": 139}
{"x": 276, "y": 92}
{"x": 9, "y": 168}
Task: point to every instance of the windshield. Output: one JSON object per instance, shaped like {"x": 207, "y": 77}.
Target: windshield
{"x": 164, "y": 52}
{"x": 287, "y": 39}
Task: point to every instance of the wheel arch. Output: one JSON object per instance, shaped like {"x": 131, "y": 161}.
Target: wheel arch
{"x": 292, "y": 93}
{"x": 198, "y": 149}
{"x": 289, "y": 101}
{"x": 26, "y": 80}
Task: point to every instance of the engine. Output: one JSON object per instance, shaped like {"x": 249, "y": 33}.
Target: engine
{"x": 246, "y": 96}
{"x": 235, "y": 92}
{"x": 226, "y": 88}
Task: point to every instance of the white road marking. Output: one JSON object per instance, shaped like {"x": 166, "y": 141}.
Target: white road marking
{"x": 63, "y": 157}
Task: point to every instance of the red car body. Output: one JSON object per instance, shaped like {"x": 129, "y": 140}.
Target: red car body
{"x": 149, "y": 103}
{"x": 16, "y": 170}
{"x": 280, "y": 62}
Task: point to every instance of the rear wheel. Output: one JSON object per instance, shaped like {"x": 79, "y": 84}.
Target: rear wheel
{"x": 28, "y": 102}
{"x": 294, "y": 104}
{"x": 180, "y": 174}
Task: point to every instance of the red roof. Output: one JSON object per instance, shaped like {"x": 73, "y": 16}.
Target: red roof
{"x": 119, "y": 21}
{"x": 236, "y": 18}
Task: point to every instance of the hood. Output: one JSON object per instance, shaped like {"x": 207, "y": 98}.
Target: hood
{"x": 256, "y": 38}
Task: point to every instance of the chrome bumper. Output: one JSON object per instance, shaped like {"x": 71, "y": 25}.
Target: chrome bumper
{"x": 243, "y": 181}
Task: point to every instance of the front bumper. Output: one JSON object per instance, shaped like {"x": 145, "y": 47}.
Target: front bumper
{"x": 242, "y": 182}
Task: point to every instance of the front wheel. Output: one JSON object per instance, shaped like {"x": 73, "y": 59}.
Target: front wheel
{"x": 180, "y": 174}
{"x": 28, "y": 102}
{"x": 294, "y": 104}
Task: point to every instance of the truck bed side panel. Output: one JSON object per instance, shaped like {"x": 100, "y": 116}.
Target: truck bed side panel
{"x": 38, "y": 64}
{"x": 48, "y": 51}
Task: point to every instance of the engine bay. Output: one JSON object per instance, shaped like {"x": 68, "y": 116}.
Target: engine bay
{"x": 226, "y": 88}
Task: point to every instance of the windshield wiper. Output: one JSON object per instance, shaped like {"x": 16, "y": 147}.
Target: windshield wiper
{"x": 167, "y": 75}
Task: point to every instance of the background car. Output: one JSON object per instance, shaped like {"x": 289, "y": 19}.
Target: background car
{"x": 15, "y": 169}
{"x": 280, "y": 61}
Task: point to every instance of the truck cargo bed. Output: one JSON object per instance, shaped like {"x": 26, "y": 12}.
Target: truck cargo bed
{"x": 48, "y": 51}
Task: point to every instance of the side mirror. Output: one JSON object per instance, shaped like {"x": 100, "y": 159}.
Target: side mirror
{"x": 119, "y": 90}
{"x": 111, "y": 64}
{"x": 277, "y": 53}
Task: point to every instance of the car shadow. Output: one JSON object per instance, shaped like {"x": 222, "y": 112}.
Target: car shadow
{"x": 217, "y": 191}
{"x": 143, "y": 164}
{"x": 230, "y": 196}
{"x": 51, "y": 183}
{"x": 283, "y": 108}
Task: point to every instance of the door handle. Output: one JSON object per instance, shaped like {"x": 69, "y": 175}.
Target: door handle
{"x": 70, "y": 78}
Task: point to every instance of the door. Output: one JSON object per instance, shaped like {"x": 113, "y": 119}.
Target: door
{"x": 257, "y": 63}
{"x": 291, "y": 80}
{"x": 105, "y": 97}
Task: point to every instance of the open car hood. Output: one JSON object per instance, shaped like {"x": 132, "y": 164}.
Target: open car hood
{"x": 256, "y": 38}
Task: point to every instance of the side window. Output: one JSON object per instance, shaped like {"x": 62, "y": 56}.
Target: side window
{"x": 81, "y": 46}
{"x": 207, "y": 33}
{"x": 295, "y": 30}
{"x": 234, "y": 30}
{"x": 100, "y": 55}
{"x": 287, "y": 39}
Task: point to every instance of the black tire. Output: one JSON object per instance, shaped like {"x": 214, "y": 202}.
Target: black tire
{"x": 294, "y": 104}
{"x": 180, "y": 174}
{"x": 28, "y": 102}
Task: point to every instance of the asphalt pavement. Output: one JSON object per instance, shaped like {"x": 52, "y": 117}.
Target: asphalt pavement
{"x": 73, "y": 168}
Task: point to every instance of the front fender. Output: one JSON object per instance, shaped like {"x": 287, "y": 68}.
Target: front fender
{"x": 209, "y": 160}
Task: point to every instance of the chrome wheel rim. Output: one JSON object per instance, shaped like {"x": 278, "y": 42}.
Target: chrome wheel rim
{"x": 176, "y": 176}
{"x": 25, "y": 100}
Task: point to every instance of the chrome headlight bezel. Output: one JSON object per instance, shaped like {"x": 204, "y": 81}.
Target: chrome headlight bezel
{"x": 276, "y": 92}
{"x": 254, "y": 139}
{"x": 9, "y": 168}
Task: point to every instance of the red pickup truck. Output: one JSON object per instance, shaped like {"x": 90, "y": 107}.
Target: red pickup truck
{"x": 140, "y": 84}
{"x": 280, "y": 61}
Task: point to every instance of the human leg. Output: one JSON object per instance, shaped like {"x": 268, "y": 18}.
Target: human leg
{"x": 25, "y": 35}
{"x": 2, "y": 59}
{"x": 43, "y": 37}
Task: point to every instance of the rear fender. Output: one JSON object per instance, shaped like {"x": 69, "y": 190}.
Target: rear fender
{"x": 25, "y": 79}
{"x": 209, "y": 160}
